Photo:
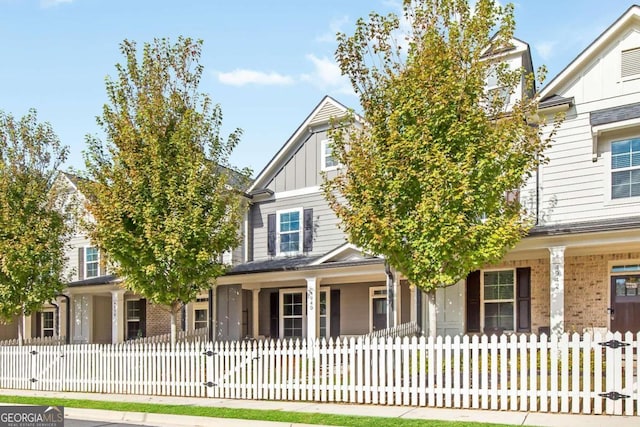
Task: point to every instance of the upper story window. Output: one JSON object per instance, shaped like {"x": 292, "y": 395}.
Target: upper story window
{"x": 328, "y": 160}
{"x": 625, "y": 168}
{"x": 289, "y": 228}
{"x": 494, "y": 90}
{"x": 91, "y": 262}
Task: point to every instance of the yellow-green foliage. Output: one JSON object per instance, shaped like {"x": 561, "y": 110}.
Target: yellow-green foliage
{"x": 32, "y": 229}
{"x": 428, "y": 166}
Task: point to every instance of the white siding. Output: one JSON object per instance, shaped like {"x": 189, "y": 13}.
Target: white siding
{"x": 573, "y": 187}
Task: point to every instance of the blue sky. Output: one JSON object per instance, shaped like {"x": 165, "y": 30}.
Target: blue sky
{"x": 267, "y": 62}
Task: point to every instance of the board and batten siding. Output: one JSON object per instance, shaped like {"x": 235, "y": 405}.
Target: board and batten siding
{"x": 303, "y": 169}
{"x": 573, "y": 186}
{"x": 326, "y": 235}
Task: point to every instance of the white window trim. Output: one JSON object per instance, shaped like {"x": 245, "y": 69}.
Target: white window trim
{"x": 42, "y": 328}
{"x": 323, "y": 157}
{"x": 200, "y": 305}
{"x": 300, "y": 232}
{"x": 85, "y": 264}
{"x": 372, "y": 296}
{"x": 610, "y": 171}
{"x": 126, "y": 317}
{"x": 513, "y": 300}
{"x": 283, "y": 292}
{"x": 303, "y": 291}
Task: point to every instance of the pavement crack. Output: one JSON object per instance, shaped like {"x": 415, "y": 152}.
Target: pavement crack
{"x": 525, "y": 419}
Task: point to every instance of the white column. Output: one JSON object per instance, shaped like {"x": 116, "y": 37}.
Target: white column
{"x": 27, "y": 322}
{"x": 255, "y": 312}
{"x": 117, "y": 316}
{"x": 413, "y": 297}
{"x": 313, "y": 314}
{"x": 556, "y": 285}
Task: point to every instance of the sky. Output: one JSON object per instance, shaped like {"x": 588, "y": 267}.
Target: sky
{"x": 266, "y": 62}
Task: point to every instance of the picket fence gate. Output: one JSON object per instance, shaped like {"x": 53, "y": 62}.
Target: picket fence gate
{"x": 557, "y": 373}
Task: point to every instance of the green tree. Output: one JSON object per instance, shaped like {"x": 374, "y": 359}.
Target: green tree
{"x": 33, "y": 230}
{"x": 161, "y": 199}
{"x": 428, "y": 168}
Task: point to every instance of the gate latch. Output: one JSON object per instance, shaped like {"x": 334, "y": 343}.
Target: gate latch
{"x": 613, "y": 395}
{"x": 614, "y": 344}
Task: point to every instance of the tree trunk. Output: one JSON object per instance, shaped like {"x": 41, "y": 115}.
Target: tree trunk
{"x": 431, "y": 297}
{"x": 174, "y": 332}
{"x": 21, "y": 330}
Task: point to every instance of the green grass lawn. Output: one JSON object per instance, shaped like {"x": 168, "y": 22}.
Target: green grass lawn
{"x": 245, "y": 414}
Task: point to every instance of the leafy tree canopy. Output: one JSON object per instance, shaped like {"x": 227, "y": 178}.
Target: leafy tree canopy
{"x": 159, "y": 187}
{"x": 430, "y": 162}
{"x": 33, "y": 230}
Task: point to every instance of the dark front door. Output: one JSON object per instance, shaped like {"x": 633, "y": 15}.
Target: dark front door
{"x": 379, "y": 311}
{"x": 625, "y": 302}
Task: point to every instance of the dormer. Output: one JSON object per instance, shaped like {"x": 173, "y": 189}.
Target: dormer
{"x": 515, "y": 55}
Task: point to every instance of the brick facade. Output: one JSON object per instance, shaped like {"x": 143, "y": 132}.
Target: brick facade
{"x": 159, "y": 320}
{"x": 586, "y": 289}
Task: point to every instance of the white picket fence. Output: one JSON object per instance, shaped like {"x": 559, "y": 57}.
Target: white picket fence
{"x": 566, "y": 373}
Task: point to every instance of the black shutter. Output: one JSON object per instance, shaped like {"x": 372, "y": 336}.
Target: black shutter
{"x": 274, "y": 319}
{"x": 38, "y": 333}
{"x": 473, "y": 301}
{"x": 308, "y": 231}
{"x": 335, "y": 313}
{"x": 143, "y": 317}
{"x": 523, "y": 298}
{"x": 80, "y": 263}
{"x": 271, "y": 234}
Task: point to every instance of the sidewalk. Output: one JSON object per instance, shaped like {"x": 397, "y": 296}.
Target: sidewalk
{"x": 161, "y": 420}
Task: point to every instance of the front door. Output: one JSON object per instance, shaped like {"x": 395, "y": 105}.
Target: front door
{"x": 379, "y": 310}
{"x": 625, "y": 303}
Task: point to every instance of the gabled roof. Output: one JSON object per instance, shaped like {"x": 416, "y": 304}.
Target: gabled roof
{"x": 321, "y": 114}
{"x": 632, "y": 14}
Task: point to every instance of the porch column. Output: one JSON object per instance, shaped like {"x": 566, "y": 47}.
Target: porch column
{"x": 393, "y": 297}
{"x": 413, "y": 296}
{"x": 556, "y": 287}
{"x": 117, "y": 316}
{"x": 27, "y": 322}
{"x": 313, "y": 321}
{"x": 255, "y": 312}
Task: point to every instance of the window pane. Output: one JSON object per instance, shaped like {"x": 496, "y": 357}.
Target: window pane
{"x": 201, "y": 315}
{"x": 91, "y": 254}
{"x": 289, "y": 242}
{"x": 293, "y": 327}
{"x": 133, "y": 309}
{"x": 498, "y": 315}
{"x": 620, "y": 161}
{"x": 47, "y": 319}
{"x": 620, "y": 147}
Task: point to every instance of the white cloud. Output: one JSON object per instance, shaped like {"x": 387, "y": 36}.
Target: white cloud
{"x": 545, "y": 49}
{"x": 327, "y": 76}
{"x": 52, "y": 3}
{"x": 242, "y": 77}
{"x": 335, "y": 26}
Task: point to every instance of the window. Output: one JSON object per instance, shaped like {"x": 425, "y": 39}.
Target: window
{"x": 48, "y": 324}
{"x": 292, "y": 314}
{"x": 496, "y": 92}
{"x": 498, "y": 288}
{"x": 329, "y": 161}
{"x": 200, "y": 318}
{"x": 289, "y": 232}
{"x": 625, "y": 168}
{"x": 134, "y": 309}
{"x": 377, "y": 308}
{"x": 91, "y": 262}
{"x": 200, "y": 313}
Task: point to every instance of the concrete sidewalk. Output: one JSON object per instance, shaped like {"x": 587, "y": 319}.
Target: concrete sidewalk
{"x": 409, "y": 412}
